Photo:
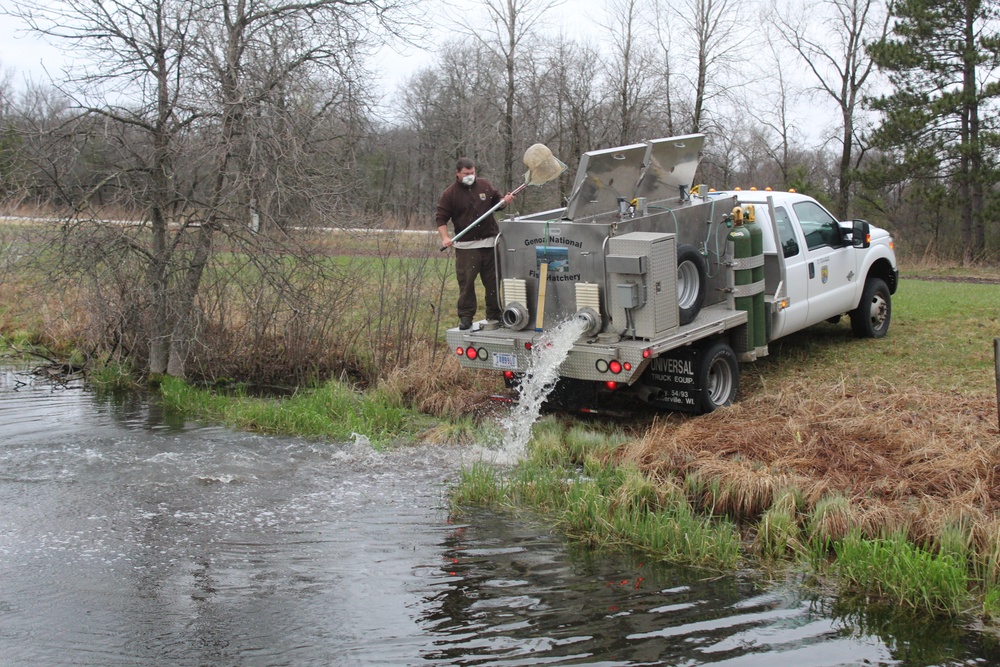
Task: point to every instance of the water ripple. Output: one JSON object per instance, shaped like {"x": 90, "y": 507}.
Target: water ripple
{"x": 128, "y": 537}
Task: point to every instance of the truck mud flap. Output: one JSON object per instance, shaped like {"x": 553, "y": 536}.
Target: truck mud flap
{"x": 671, "y": 380}
{"x": 699, "y": 378}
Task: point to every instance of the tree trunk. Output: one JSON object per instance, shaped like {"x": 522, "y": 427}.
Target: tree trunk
{"x": 185, "y": 331}
{"x": 844, "y": 189}
{"x": 159, "y": 324}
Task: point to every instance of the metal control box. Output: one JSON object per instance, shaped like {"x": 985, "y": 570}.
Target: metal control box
{"x": 642, "y": 280}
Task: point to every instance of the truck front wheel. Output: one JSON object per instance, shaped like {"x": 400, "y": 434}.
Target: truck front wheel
{"x": 718, "y": 376}
{"x": 871, "y": 318}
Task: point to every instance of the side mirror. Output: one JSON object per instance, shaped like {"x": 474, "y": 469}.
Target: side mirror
{"x": 861, "y": 236}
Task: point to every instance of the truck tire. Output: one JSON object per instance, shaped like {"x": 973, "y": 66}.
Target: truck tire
{"x": 871, "y": 318}
{"x": 718, "y": 376}
{"x": 692, "y": 276}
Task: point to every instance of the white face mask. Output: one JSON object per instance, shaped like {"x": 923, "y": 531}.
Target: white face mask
{"x": 469, "y": 179}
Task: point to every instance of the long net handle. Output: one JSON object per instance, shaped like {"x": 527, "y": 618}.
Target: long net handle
{"x": 488, "y": 213}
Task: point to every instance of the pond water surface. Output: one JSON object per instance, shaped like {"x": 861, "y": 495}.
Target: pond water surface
{"x": 129, "y": 537}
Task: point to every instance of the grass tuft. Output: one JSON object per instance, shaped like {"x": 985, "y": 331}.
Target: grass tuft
{"x": 112, "y": 375}
{"x": 831, "y": 521}
{"x": 601, "y": 503}
{"x": 898, "y": 571}
{"x": 333, "y": 410}
{"x": 778, "y": 533}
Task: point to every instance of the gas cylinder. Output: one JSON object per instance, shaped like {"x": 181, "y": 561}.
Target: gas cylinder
{"x": 757, "y": 272}
{"x": 742, "y": 249}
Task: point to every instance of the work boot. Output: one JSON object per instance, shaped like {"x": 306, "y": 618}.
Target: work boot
{"x": 465, "y": 323}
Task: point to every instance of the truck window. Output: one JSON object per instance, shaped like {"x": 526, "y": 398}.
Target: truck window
{"x": 819, "y": 227}
{"x": 789, "y": 246}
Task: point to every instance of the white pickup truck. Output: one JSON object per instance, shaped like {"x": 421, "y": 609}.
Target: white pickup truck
{"x": 674, "y": 284}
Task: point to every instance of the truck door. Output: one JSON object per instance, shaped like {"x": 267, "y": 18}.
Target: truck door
{"x": 794, "y": 317}
{"x": 831, "y": 276}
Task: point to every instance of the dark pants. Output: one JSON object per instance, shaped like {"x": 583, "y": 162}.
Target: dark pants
{"x": 469, "y": 264}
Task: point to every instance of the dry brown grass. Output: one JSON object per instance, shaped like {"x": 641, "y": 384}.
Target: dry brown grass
{"x": 435, "y": 384}
{"x": 910, "y": 460}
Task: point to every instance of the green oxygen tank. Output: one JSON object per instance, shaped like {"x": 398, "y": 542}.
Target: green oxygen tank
{"x": 760, "y": 332}
{"x": 741, "y": 250}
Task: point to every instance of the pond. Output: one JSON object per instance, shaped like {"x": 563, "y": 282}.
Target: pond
{"x": 131, "y": 537}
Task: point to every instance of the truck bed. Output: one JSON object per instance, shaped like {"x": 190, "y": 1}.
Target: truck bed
{"x": 505, "y": 349}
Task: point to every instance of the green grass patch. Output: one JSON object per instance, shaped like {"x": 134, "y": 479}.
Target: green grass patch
{"x": 897, "y": 571}
{"x": 334, "y": 411}
{"x": 941, "y": 338}
{"x": 778, "y": 533}
{"x": 598, "y": 502}
{"x": 112, "y": 375}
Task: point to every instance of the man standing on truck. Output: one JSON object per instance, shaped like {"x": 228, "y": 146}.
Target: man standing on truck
{"x": 463, "y": 202}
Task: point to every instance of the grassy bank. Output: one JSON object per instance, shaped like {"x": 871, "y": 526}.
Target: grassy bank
{"x": 334, "y": 411}
{"x": 582, "y": 479}
{"x": 871, "y": 462}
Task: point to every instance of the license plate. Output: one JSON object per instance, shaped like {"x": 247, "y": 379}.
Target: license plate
{"x": 505, "y": 360}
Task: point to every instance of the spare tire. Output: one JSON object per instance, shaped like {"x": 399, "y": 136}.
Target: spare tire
{"x": 692, "y": 276}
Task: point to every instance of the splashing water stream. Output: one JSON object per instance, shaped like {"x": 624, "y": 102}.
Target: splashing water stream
{"x": 547, "y": 354}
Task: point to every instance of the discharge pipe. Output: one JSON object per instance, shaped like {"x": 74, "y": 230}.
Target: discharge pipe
{"x": 592, "y": 320}
{"x": 515, "y": 316}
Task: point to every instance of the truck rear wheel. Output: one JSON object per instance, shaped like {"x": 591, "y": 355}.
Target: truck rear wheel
{"x": 871, "y": 318}
{"x": 691, "y": 279}
{"x": 718, "y": 376}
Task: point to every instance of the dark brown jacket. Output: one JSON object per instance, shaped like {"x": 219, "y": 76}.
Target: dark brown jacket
{"x": 463, "y": 204}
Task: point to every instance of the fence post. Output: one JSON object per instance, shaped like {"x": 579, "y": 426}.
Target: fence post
{"x": 996, "y": 362}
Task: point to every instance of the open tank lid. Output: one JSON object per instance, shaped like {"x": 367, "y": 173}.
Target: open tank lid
{"x": 655, "y": 169}
{"x": 670, "y": 165}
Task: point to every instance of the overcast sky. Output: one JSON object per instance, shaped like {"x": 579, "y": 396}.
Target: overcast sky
{"x": 27, "y": 56}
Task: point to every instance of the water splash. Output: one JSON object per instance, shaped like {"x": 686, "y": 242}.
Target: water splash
{"x": 547, "y": 354}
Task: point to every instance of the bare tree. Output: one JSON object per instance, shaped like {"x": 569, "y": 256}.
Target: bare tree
{"x": 710, "y": 40}
{"x": 630, "y": 65}
{"x": 187, "y": 94}
{"x": 665, "y": 73}
{"x": 840, "y": 65}
{"x": 559, "y": 104}
{"x": 774, "y": 114}
{"x": 512, "y": 24}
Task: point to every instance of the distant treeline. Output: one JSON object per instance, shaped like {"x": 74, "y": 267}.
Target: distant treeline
{"x": 236, "y": 126}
